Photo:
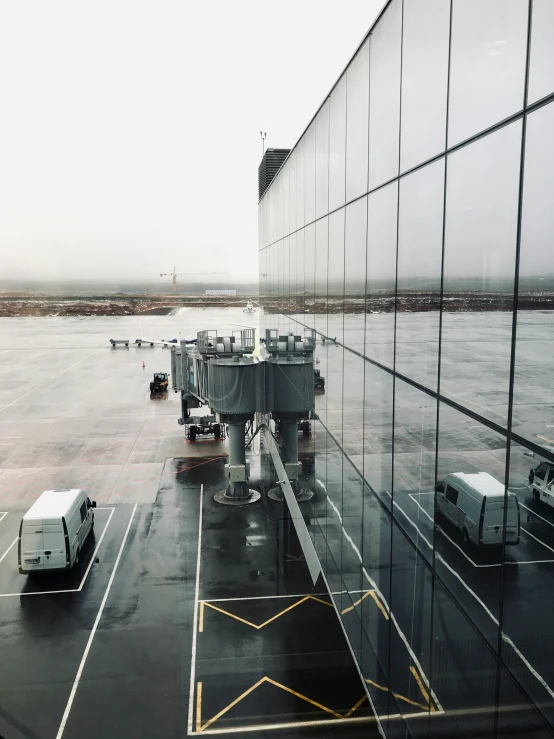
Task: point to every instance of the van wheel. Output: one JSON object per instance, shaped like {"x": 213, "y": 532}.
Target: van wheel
{"x": 466, "y": 537}
{"x": 536, "y": 496}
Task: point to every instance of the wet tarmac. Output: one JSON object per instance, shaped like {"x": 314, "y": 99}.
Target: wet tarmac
{"x": 151, "y": 635}
{"x": 135, "y": 644}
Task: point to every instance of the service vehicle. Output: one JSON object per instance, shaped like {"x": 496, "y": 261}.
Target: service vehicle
{"x": 474, "y": 503}
{"x": 202, "y": 426}
{"x": 159, "y": 383}
{"x": 53, "y": 531}
{"x": 115, "y": 342}
{"x": 319, "y": 381}
{"x": 541, "y": 480}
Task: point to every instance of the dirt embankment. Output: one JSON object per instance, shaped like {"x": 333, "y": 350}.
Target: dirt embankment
{"x": 13, "y": 305}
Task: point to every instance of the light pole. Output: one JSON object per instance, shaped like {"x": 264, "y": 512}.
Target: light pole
{"x": 263, "y": 135}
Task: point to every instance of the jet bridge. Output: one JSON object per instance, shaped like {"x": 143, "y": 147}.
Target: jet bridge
{"x": 220, "y": 371}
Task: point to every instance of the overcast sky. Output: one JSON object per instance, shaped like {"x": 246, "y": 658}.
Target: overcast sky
{"x": 130, "y": 130}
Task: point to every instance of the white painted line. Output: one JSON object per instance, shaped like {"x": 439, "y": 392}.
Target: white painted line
{"x": 358, "y": 668}
{"x": 271, "y": 597}
{"x": 8, "y": 549}
{"x": 508, "y": 562}
{"x": 93, "y": 632}
{"x": 537, "y": 539}
{"x": 3, "y": 515}
{"x": 387, "y": 607}
{"x": 96, "y": 548}
{"x": 317, "y": 722}
{"x": 537, "y": 515}
{"x": 195, "y": 621}
{"x": 410, "y": 494}
{"x": 504, "y": 636}
{"x": 45, "y": 382}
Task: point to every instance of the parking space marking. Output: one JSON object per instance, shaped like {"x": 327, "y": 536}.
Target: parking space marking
{"x": 503, "y": 635}
{"x": 195, "y": 622}
{"x": 249, "y": 623}
{"x": 94, "y": 628}
{"x": 3, "y": 515}
{"x": 72, "y": 590}
{"x": 537, "y": 515}
{"x": 201, "y": 727}
{"x": 537, "y": 539}
{"x": 8, "y": 549}
{"x": 497, "y": 564}
{"x": 386, "y": 605}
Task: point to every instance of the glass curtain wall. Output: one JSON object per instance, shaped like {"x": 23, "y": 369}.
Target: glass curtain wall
{"x": 411, "y": 228}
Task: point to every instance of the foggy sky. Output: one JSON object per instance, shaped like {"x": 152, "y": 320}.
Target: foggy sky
{"x": 130, "y": 130}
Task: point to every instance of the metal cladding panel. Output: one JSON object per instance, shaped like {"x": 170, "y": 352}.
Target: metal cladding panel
{"x": 174, "y": 377}
{"x": 293, "y": 386}
{"x": 232, "y": 386}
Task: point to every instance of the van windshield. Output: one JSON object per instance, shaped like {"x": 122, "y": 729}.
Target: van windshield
{"x": 494, "y": 512}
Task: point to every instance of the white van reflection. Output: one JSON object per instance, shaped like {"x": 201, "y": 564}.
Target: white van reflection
{"x": 474, "y": 503}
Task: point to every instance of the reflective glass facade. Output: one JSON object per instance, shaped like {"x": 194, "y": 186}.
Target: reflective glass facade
{"x": 412, "y": 227}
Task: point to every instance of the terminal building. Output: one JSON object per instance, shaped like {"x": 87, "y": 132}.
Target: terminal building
{"x": 410, "y": 227}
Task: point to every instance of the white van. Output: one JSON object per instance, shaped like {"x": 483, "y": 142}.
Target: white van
{"x": 474, "y": 503}
{"x": 53, "y": 531}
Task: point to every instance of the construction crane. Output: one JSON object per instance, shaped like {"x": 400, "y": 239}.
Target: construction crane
{"x": 175, "y": 274}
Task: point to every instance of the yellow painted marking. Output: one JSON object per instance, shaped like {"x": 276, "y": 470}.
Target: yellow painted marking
{"x": 200, "y": 727}
{"x": 233, "y": 703}
{"x": 357, "y": 603}
{"x": 201, "y": 619}
{"x": 545, "y": 439}
{"x": 381, "y": 687}
{"x": 303, "y": 697}
{"x": 199, "y": 707}
{"x": 292, "y": 558}
{"x": 403, "y": 697}
{"x": 269, "y": 620}
{"x": 355, "y": 706}
{"x": 380, "y": 606}
{"x": 424, "y": 692}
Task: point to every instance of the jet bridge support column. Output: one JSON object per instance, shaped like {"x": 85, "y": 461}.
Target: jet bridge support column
{"x": 237, "y": 469}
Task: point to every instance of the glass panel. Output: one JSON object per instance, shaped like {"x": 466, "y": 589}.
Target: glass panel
{"x": 292, "y": 191}
{"x": 487, "y": 67}
{"x": 381, "y": 274}
{"x": 357, "y": 106}
{"x": 415, "y": 427}
{"x": 299, "y": 288}
{"x": 419, "y": 273}
{"x": 529, "y": 564}
{"x": 468, "y": 532}
{"x": 464, "y": 667}
{"x": 384, "y": 108}
{"x": 300, "y": 191}
{"x": 309, "y": 174}
{"x": 336, "y": 274}
{"x": 321, "y": 260}
{"x": 322, "y": 161}
{"x": 541, "y": 70}
{"x": 285, "y": 300}
{"x": 333, "y": 381}
{"x": 284, "y": 175}
{"x": 354, "y": 275}
{"x": 533, "y": 385}
{"x": 481, "y": 223}
{"x": 309, "y": 275}
{"x": 378, "y": 432}
{"x": 337, "y": 144}
{"x": 424, "y": 80}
